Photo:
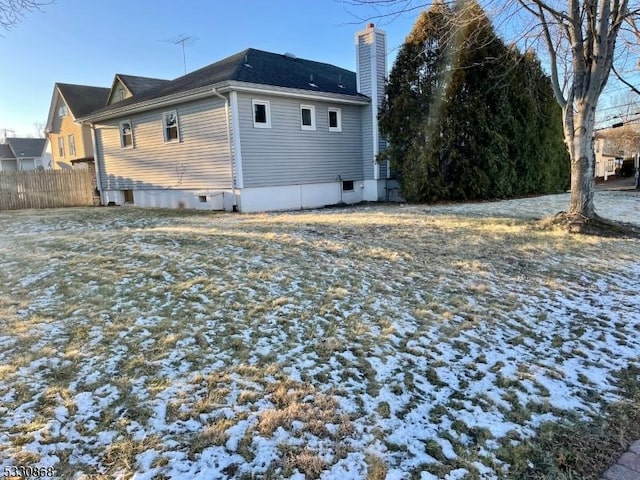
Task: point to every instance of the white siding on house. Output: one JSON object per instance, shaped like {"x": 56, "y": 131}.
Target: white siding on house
{"x": 199, "y": 161}
{"x": 8, "y": 165}
{"x": 27, "y": 164}
{"x": 285, "y": 154}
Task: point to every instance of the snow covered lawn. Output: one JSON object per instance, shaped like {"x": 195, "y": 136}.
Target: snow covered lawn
{"x": 380, "y": 342}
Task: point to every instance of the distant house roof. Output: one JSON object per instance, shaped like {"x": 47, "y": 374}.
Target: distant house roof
{"x": 5, "y": 151}
{"x": 254, "y": 67}
{"x": 26, "y": 147}
{"x": 83, "y": 99}
{"x": 137, "y": 85}
{"x": 134, "y": 84}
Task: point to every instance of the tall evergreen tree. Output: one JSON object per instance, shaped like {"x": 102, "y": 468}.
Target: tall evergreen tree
{"x": 468, "y": 117}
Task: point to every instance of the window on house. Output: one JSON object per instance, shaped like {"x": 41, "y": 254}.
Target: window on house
{"x": 62, "y": 111}
{"x": 347, "y": 186}
{"x": 170, "y": 126}
{"x": 261, "y": 113}
{"x": 307, "y": 117}
{"x": 126, "y": 134}
{"x": 72, "y": 146}
{"x": 335, "y": 120}
{"x": 202, "y": 198}
{"x": 61, "y": 147}
{"x": 610, "y": 165}
{"x": 122, "y": 94}
{"x": 128, "y": 196}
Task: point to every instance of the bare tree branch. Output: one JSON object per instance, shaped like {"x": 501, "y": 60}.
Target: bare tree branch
{"x": 632, "y": 87}
{"x": 12, "y": 11}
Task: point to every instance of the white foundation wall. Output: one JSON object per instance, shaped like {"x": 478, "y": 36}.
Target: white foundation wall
{"x": 215, "y": 199}
{"x": 297, "y": 197}
{"x": 374, "y": 190}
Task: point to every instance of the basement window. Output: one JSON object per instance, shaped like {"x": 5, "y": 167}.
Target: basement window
{"x": 126, "y": 134}
{"x": 347, "y": 186}
{"x": 202, "y": 198}
{"x": 170, "y": 126}
{"x": 307, "y": 117}
{"x": 128, "y": 197}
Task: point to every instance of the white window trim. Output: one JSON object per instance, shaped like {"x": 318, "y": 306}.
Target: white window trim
{"x": 61, "y": 150}
{"x": 339, "y": 115}
{"x": 313, "y": 117}
{"x": 164, "y": 127}
{"x": 122, "y": 145}
{"x": 267, "y": 104}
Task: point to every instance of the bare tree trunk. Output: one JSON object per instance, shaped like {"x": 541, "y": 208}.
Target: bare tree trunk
{"x": 578, "y": 128}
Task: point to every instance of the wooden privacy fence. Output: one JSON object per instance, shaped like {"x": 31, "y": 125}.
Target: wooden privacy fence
{"x": 46, "y": 189}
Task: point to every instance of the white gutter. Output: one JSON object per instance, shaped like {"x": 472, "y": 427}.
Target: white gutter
{"x": 225, "y": 87}
{"x": 295, "y": 93}
{"x": 233, "y": 174}
{"x": 96, "y": 163}
{"x": 174, "y": 99}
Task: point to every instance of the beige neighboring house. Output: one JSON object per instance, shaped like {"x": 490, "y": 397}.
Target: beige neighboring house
{"x": 71, "y": 142}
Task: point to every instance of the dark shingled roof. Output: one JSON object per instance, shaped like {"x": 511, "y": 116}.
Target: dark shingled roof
{"x": 259, "y": 67}
{"x": 5, "y": 151}
{"x": 27, "y": 147}
{"x": 137, "y": 85}
{"x": 83, "y": 99}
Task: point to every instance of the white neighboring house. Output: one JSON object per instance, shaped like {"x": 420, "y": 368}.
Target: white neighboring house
{"x": 47, "y": 156}
{"x": 255, "y": 131}
{"x": 21, "y": 154}
{"x": 607, "y": 153}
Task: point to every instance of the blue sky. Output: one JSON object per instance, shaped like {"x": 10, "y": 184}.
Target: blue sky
{"x": 88, "y": 42}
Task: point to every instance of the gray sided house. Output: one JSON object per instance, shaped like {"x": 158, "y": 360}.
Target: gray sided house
{"x": 255, "y": 131}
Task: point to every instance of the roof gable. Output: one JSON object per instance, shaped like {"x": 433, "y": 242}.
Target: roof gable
{"x": 5, "y": 151}
{"x": 133, "y": 85}
{"x": 256, "y": 67}
{"x": 79, "y": 99}
{"x": 136, "y": 85}
{"x": 83, "y": 99}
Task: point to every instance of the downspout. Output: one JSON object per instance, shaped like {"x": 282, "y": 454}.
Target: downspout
{"x": 96, "y": 163}
{"x": 229, "y": 148}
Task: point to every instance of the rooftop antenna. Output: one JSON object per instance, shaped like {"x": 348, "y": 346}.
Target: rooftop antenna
{"x": 183, "y": 39}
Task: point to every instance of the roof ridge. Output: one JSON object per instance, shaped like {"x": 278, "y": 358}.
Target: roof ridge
{"x": 79, "y": 85}
{"x": 142, "y": 76}
{"x": 253, "y": 66}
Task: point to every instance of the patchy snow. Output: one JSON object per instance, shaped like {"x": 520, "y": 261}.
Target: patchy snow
{"x": 392, "y": 340}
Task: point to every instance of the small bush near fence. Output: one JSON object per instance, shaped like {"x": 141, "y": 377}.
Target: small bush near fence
{"x": 46, "y": 189}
